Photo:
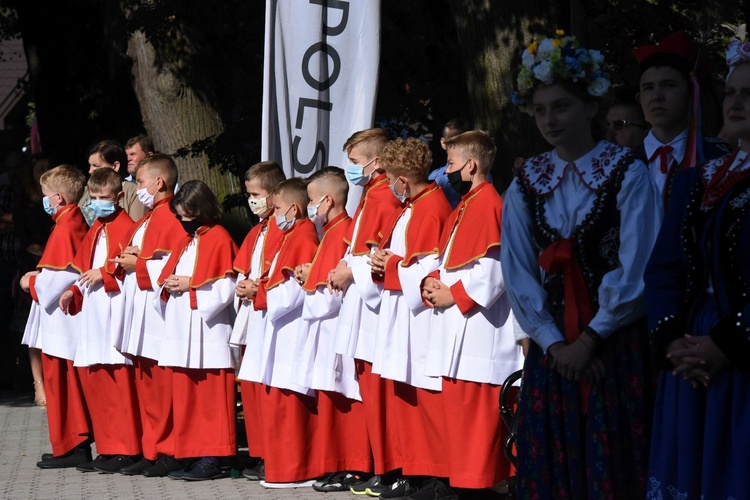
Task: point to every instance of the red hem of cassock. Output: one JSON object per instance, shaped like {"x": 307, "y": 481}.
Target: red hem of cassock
{"x": 68, "y": 419}
{"x": 475, "y": 437}
{"x": 342, "y": 433}
{"x": 153, "y": 387}
{"x": 251, "y": 398}
{"x": 289, "y": 421}
{"x": 203, "y": 406}
{"x": 113, "y": 406}
{"x": 384, "y": 439}
{"x": 418, "y": 414}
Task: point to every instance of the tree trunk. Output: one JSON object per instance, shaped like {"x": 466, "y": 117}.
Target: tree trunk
{"x": 175, "y": 118}
{"x": 492, "y": 36}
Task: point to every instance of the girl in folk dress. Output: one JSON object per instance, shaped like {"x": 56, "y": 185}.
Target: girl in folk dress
{"x": 579, "y": 223}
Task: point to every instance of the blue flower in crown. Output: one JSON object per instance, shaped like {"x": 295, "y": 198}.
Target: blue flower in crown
{"x": 559, "y": 59}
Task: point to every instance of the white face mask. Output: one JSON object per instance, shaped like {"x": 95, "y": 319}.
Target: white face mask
{"x": 318, "y": 219}
{"x": 145, "y": 197}
{"x": 282, "y": 223}
{"x": 258, "y": 206}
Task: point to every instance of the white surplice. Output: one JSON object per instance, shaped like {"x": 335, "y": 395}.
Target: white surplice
{"x": 246, "y": 314}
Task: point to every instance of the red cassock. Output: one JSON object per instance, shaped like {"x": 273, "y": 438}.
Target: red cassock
{"x": 251, "y": 391}
{"x": 67, "y": 416}
{"x": 203, "y": 400}
{"x": 417, "y": 413}
{"x": 290, "y": 418}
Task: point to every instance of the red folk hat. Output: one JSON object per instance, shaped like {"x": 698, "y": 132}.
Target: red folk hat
{"x": 677, "y": 44}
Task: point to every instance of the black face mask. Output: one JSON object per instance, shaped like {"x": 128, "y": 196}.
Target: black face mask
{"x": 190, "y": 226}
{"x": 458, "y": 184}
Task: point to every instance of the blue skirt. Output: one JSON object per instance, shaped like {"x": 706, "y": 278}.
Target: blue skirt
{"x": 701, "y": 437}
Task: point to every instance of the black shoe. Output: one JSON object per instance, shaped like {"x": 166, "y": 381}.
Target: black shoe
{"x": 203, "y": 470}
{"x": 372, "y": 487}
{"x": 400, "y": 489}
{"x": 91, "y": 466}
{"x": 137, "y": 468}
{"x": 163, "y": 466}
{"x": 257, "y": 473}
{"x": 339, "y": 481}
{"x": 73, "y": 458}
{"x": 434, "y": 489}
{"x": 116, "y": 463}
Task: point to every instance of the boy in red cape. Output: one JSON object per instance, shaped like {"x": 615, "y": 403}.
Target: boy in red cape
{"x": 140, "y": 264}
{"x": 355, "y": 331}
{"x": 106, "y": 375}
{"x": 288, "y": 409}
{"x": 197, "y": 296}
{"x": 472, "y": 343}
{"x": 50, "y": 330}
{"x": 252, "y": 263}
{"x": 408, "y": 250}
{"x": 333, "y": 376}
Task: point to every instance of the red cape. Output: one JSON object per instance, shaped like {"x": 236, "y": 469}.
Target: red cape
{"x": 330, "y": 251}
{"x": 117, "y": 228}
{"x": 477, "y": 221}
{"x": 429, "y": 211}
{"x": 298, "y": 246}
{"x": 69, "y": 230}
{"x": 214, "y": 256}
{"x": 377, "y": 207}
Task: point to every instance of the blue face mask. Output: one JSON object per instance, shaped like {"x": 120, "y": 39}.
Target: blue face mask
{"x": 356, "y": 173}
{"x": 47, "y": 207}
{"x": 282, "y": 223}
{"x": 103, "y": 208}
{"x": 318, "y": 219}
{"x": 399, "y": 197}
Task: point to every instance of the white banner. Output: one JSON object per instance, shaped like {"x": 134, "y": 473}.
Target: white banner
{"x": 320, "y": 81}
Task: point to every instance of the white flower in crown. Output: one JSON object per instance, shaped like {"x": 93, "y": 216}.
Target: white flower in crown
{"x": 543, "y": 72}
{"x": 598, "y": 87}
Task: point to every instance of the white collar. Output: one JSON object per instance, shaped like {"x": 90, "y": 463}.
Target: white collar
{"x": 678, "y": 144}
{"x": 543, "y": 173}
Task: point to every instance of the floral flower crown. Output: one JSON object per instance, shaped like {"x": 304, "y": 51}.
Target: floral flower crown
{"x": 559, "y": 59}
{"x": 738, "y": 52}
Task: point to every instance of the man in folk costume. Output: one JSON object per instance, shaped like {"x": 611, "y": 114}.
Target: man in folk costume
{"x": 198, "y": 284}
{"x": 141, "y": 262}
{"x": 106, "y": 375}
{"x": 472, "y": 343}
{"x": 408, "y": 251}
{"x": 355, "y": 332}
{"x": 288, "y": 409}
{"x": 252, "y": 263}
{"x": 339, "y": 435}
{"x": 50, "y": 330}
{"x": 669, "y": 93}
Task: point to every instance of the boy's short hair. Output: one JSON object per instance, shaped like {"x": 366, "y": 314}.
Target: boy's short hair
{"x": 67, "y": 179}
{"x": 455, "y": 126}
{"x": 476, "y": 144}
{"x": 332, "y": 180}
{"x": 292, "y": 190}
{"x": 371, "y": 141}
{"x": 105, "y": 179}
{"x": 410, "y": 158}
{"x": 143, "y": 141}
{"x": 197, "y": 200}
{"x": 160, "y": 165}
{"x": 268, "y": 173}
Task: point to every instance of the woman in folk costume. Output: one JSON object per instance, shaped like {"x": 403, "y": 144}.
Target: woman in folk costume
{"x": 579, "y": 223}
{"x": 697, "y": 287}
{"x": 198, "y": 285}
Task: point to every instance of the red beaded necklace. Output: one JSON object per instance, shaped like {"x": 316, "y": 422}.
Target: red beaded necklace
{"x": 721, "y": 181}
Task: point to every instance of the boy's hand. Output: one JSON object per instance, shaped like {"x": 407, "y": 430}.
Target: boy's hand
{"x": 339, "y": 279}
{"x": 26, "y": 279}
{"x": 65, "y": 299}
{"x": 438, "y": 294}
{"x": 134, "y": 250}
{"x": 379, "y": 260}
{"x": 177, "y": 284}
{"x": 302, "y": 272}
{"x": 90, "y": 277}
{"x": 245, "y": 291}
{"x": 126, "y": 260}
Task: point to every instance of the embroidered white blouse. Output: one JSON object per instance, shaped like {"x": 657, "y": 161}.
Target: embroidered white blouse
{"x": 570, "y": 190}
